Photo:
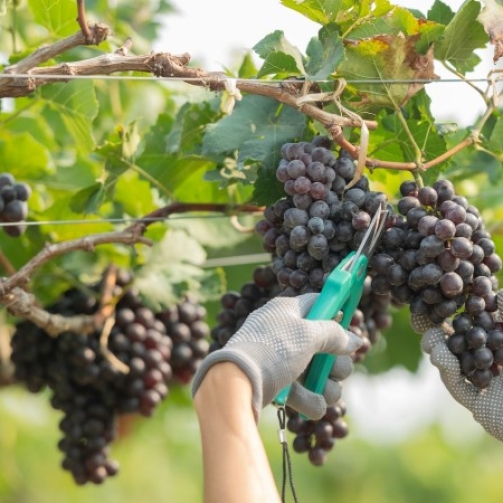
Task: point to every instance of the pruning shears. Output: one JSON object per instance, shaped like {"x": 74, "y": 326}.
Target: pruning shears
{"x": 338, "y": 300}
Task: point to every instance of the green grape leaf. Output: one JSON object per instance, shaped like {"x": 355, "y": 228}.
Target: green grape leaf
{"x": 80, "y": 174}
{"x": 181, "y": 178}
{"x": 62, "y": 209}
{"x": 88, "y": 200}
{"x": 57, "y": 16}
{"x": 325, "y": 53}
{"x": 39, "y": 129}
{"x": 319, "y": 11}
{"x": 267, "y": 188}
{"x": 247, "y": 69}
{"x": 354, "y": 14}
{"x": 385, "y": 58}
{"x": 491, "y": 18}
{"x": 119, "y": 151}
{"x": 390, "y": 141}
{"x": 399, "y": 20}
{"x": 216, "y": 233}
{"x": 142, "y": 202}
{"x": 462, "y": 36}
{"x": 494, "y": 134}
{"x": 441, "y": 13}
{"x": 170, "y": 157}
{"x": 173, "y": 267}
{"x": 256, "y": 129}
{"x": 25, "y": 158}
{"x": 280, "y": 56}
{"x": 185, "y": 134}
{"x": 279, "y": 63}
{"x": 70, "y": 109}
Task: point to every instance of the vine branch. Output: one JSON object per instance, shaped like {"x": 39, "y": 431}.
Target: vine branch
{"x": 22, "y": 86}
{"x": 160, "y": 64}
{"x": 23, "y": 304}
{"x": 81, "y": 19}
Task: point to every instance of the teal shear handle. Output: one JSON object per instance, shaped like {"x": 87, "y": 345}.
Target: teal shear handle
{"x": 338, "y": 300}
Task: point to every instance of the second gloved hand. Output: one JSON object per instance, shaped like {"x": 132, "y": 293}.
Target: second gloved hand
{"x": 276, "y": 344}
{"x": 486, "y": 405}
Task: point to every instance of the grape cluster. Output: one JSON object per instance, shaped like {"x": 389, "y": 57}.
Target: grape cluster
{"x": 439, "y": 258}
{"x": 317, "y": 438}
{"x": 186, "y": 327}
{"x": 13, "y": 204}
{"x": 319, "y": 222}
{"x": 88, "y": 382}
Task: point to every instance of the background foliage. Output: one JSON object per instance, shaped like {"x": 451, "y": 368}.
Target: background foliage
{"x": 110, "y": 149}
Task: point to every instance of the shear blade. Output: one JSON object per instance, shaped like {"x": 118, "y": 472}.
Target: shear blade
{"x": 371, "y": 237}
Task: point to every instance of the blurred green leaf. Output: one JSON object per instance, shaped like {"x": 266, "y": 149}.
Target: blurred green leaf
{"x": 494, "y": 132}
{"x": 462, "y": 36}
{"x": 173, "y": 268}
{"x": 440, "y": 12}
{"x": 88, "y": 200}
{"x": 22, "y": 156}
{"x": 247, "y": 70}
{"x": 70, "y": 109}
{"x": 57, "y": 16}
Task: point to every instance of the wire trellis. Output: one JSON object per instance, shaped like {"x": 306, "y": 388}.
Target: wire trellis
{"x": 224, "y": 78}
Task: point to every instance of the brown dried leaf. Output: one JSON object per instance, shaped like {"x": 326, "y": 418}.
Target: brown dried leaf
{"x": 422, "y": 64}
{"x": 491, "y": 19}
{"x": 391, "y": 59}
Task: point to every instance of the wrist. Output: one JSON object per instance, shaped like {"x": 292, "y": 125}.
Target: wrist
{"x": 224, "y": 387}
{"x": 251, "y": 359}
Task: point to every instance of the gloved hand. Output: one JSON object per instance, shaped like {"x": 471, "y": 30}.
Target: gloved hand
{"x": 275, "y": 345}
{"x": 485, "y": 405}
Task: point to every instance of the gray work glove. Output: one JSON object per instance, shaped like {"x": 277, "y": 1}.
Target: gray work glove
{"x": 485, "y": 405}
{"x": 275, "y": 345}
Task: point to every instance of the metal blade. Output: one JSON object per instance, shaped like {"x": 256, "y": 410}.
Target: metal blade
{"x": 371, "y": 237}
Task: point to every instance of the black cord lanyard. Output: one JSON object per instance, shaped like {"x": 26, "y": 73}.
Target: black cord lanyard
{"x": 287, "y": 463}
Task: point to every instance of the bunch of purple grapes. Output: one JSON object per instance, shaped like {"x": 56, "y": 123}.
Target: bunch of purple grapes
{"x": 439, "y": 258}
{"x": 89, "y": 386}
{"x": 317, "y": 438}
{"x": 186, "y": 326}
{"x": 318, "y": 223}
{"x": 13, "y": 204}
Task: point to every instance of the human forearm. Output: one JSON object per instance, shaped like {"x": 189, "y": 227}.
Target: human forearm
{"x": 235, "y": 464}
